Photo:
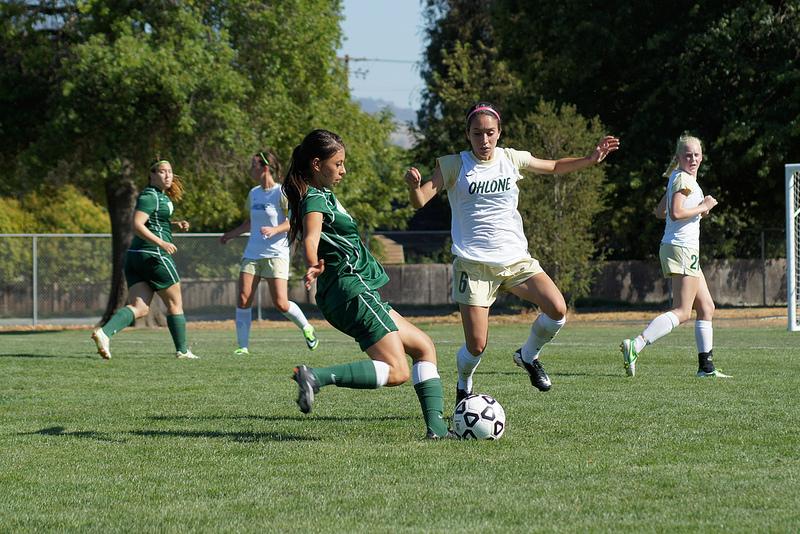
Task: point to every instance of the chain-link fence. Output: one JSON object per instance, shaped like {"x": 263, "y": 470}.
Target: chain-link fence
{"x": 66, "y": 278}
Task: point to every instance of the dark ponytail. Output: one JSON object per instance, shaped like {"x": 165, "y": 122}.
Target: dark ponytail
{"x": 320, "y": 144}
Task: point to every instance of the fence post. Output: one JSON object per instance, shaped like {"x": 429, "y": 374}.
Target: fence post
{"x": 763, "y": 269}
{"x": 258, "y": 301}
{"x": 35, "y": 289}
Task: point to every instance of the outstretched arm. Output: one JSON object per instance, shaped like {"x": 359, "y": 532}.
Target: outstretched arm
{"x": 312, "y": 229}
{"x": 236, "y": 232}
{"x": 607, "y": 145}
{"x": 420, "y": 193}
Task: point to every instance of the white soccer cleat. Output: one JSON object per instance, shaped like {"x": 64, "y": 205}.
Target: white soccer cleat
{"x": 103, "y": 343}
{"x": 186, "y": 355}
{"x": 629, "y": 356}
{"x": 716, "y": 373}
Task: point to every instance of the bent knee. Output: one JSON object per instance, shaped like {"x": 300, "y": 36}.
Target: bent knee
{"x": 398, "y": 374}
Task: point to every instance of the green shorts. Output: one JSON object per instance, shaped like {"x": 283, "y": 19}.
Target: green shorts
{"x": 677, "y": 260}
{"x": 157, "y": 269}
{"x": 266, "y": 267}
{"x": 477, "y": 284}
{"x": 365, "y": 318}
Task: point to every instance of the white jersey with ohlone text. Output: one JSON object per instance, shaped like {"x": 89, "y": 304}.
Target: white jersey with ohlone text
{"x": 483, "y": 195}
{"x": 684, "y": 232}
{"x": 268, "y": 207}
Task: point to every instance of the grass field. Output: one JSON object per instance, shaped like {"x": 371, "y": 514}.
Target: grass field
{"x": 145, "y": 442}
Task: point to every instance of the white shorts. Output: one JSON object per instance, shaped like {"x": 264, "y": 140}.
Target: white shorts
{"x": 477, "y": 284}
{"x": 266, "y": 267}
{"x": 677, "y": 260}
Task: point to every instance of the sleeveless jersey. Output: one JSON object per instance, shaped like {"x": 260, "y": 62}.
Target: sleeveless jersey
{"x": 486, "y": 226}
{"x": 158, "y": 206}
{"x": 685, "y": 232}
{"x": 350, "y": 269}
{"x": 267, "y": 207}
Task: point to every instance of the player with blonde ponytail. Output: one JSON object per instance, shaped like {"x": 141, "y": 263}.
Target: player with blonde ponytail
{"x": 682, "y": 206}
{"x": 149, "y": 267}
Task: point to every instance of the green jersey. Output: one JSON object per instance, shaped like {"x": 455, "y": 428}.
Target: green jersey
{"x": 158, "y": 206}
{"x": 350, "y": 269}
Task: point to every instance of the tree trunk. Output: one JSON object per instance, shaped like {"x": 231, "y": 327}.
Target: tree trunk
{"x": 121, "y": 199}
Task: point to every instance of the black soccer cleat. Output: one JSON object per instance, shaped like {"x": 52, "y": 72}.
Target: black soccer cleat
{"x": 461, "y": 394}
{"x": 307, "y": 386}
{"x": 432, "y": 436}
{"x": 536, "y": 373}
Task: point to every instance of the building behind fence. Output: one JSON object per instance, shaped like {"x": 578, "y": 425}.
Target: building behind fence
{"x": 65, "y": 278}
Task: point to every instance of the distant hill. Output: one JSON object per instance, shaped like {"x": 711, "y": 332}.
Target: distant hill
{"x": 374, "y": 105}
{"x": 402, "y": 116}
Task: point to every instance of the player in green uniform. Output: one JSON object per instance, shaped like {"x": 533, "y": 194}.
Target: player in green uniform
{"x": 149, "y": 267}
{"x": 348, "y": 278}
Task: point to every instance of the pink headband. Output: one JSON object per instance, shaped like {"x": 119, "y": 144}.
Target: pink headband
{"x": 482, "y": 108}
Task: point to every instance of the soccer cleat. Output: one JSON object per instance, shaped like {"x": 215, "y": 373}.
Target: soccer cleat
{"x": 629, "y": 356}
{"x": 461, "y": 394}
{"x": 310, "y": 336}
{"x": 430, "y": 435}
{"x": 186, "y": 355}
{"x": 103, "y": 343}
{"x": 241, "y": 351}
{"x": 538, "y": 376}
{"x": 307, "y": 386}
{"x": 716, "y": 373}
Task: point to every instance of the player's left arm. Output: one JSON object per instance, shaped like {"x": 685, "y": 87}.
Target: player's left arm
{"x": 312, "y": 230}
{"x": 607, "y": 145}
{"x": 269, "y": 231}
{"x": 660, "y": 211}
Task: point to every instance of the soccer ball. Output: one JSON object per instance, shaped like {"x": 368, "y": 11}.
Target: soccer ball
{"x": 479, "y": 417}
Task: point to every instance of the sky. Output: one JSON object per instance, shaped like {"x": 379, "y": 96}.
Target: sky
{"x": 388, "y": 30}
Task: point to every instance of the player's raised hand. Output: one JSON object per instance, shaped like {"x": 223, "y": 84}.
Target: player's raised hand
{"x": 413, "y": 178}
{"x": 607, "y": 145}
{"x": 313, "y": 272}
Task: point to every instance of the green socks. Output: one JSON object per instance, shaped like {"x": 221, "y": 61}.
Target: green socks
{"x": 355, "y": 375}
{"x": 122, "y": 317}
{"x": 177, "y": 329}
{"x": 431, "y": 399}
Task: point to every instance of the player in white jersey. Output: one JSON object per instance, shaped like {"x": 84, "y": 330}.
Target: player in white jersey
{"x": 267, "y": 252}
{"x": 683, "y": 205}
{"x": 489, "y": 245}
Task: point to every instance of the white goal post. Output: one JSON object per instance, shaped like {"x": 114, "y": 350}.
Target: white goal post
{"x": 792, "y": 247}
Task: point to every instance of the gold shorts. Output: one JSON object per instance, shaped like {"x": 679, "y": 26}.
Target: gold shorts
{"x": 677, "y": 260}
{"x": 477, "y": 284}
{"x": 266, "y": 267}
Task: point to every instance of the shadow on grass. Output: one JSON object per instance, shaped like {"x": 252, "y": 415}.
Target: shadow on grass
{"x": 362, "y": 419}
{"x": 241, "y": 437}
{"x": 20, "y": 355}
{"x": 59, "y": 431}
{"x": 517, "y": 373}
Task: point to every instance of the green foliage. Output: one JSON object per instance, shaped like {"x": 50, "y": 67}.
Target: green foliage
{"x": 558, "y": 210}
{"x": 728, "y": 72}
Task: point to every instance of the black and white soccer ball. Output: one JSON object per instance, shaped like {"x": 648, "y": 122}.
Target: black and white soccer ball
{"x": 479, "y": 417}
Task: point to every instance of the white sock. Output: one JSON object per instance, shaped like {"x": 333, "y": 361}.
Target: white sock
{"x": 466, "y": 364}
{"x": 543, "y": 330}
{"x": 244, "y": 317}
{"x": 382, "y": 372}
{"x": 660, "y": 327}
{"x": 422, "y": 371}
{"x": 295, "y": 314}
{"x": 704, "y": 336}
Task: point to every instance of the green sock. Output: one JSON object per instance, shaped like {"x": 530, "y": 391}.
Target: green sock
{"x": 355, "y": 375}
{"x": 177, "y": 329}
{"x": 431, "y": 398}
{"x": 122, "y": 317}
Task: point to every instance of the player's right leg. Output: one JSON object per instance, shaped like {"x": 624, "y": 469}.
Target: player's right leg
{"x": 248, "y": 285}
{"x": 139, "y": 296}
{"x": 475, "y": 322}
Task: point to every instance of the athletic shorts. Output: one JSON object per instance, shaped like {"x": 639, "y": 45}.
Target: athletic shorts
{"x": 365, "y": 318}
{"x": 677, "y": 260}
{"x": 477, "y": 284}
{"x": 157, "y": 269}
{"x": 266, "y": 267}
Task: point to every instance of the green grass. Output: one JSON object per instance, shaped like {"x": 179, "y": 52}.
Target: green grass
{"x": 149, "y": 443}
